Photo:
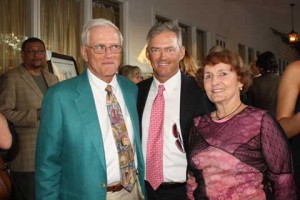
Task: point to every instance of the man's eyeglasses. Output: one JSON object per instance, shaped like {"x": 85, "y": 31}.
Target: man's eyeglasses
{"x": 157, "y": 51}
{"x": 179, "y": 141}
{"x": 38, "y": 52}
{"x": 100, "y": 49}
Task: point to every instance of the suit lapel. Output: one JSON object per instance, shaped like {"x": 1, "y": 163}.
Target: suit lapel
{"x": 130, "y": 101}
{"x": 87, "y": 109}
{"x": 129, "y": 98}
{"x": 183, "y": 100}
{"x": 29, "y": 80}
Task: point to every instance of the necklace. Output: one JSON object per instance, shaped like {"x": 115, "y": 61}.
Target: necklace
{"x": 219, "y": 118}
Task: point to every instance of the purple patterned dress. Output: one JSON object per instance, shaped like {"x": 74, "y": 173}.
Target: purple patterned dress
{"x": 245, "y": 157}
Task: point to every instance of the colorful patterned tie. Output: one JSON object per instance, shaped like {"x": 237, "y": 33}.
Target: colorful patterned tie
{"x": 154, "y": 160}
{"x": 126, "y": 155}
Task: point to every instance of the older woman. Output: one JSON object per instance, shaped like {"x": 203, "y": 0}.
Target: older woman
{"x": 237, "y": 151}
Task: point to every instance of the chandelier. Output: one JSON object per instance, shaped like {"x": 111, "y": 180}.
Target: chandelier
{"x": 293, "y": 36}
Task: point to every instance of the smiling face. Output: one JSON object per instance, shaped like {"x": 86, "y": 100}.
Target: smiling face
{"x": 104, "y": 65}
{"x": 221, "y": 83}
{"x": 164, "y": 54}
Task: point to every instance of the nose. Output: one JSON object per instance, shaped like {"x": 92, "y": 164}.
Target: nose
{"x": 163, "y": 53}
{"x": 214, "y": 80}
{"x": 108, "y": 52}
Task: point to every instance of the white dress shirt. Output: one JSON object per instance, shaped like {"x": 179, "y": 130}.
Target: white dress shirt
{"x": 174, "y": 161}
{"x": 111, "y": 154}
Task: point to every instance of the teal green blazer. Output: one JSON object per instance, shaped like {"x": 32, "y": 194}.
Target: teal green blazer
{"x": 70, "y": 159}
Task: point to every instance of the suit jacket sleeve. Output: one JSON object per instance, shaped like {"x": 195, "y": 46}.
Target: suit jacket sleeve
{"x": 48, "y": 162}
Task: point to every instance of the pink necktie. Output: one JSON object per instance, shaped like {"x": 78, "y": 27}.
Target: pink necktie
{"x": 154, "y": 160}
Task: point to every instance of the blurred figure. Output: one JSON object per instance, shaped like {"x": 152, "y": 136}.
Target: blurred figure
{"x": 263, "y": 92}
{"x": 5, "y": 144}
{"x": 188, "y": 65}
{"x": 88, "y": 144}
{"x": 167, "y": 104}
{"x": 288, "y": 112}
{"x": 254, "y": 69}
{"x": 133, "y": 73}
{"x": 5, "y": 134}
{"x": 237, "y": 151}
{"x": 21, "y": 92}
{"x": 215, "y": 48}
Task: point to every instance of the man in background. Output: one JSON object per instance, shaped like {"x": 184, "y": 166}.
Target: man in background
{"x": 264, "y": 89}
{"x": 21, "y": 93}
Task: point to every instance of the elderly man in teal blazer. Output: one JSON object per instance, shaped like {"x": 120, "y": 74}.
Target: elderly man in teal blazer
{"x": 76, "y": 156}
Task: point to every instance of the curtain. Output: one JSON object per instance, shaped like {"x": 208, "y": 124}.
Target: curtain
{"x": 60, "y": 27}
{"x": 12, "y": 32}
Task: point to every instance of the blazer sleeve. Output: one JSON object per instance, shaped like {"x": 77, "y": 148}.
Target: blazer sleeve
{"x": 49, "y": 144}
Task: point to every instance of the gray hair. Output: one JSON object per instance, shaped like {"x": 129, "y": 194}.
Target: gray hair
{"x": 97, "y": 23}
{"x": 165, "y": 27}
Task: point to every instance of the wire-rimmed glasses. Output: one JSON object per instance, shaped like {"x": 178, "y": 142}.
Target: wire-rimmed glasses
{"x": 101, "y": 49}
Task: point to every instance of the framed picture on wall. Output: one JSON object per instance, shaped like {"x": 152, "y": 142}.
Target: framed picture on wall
{"x": 63, "y": 66}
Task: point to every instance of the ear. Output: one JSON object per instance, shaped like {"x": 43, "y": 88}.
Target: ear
{"x": 182, "y": 52}
{"x": 84, "y": 53}
{"x": 147, "y": 53}
{"x": 240, "y": 85}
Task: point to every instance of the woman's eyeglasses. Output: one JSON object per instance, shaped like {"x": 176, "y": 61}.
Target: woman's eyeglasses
{"x": 179, "y": 141}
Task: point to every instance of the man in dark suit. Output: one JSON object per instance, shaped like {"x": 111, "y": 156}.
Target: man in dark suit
{"x": 182, "y": 101}
{"x": 264, "y": 89}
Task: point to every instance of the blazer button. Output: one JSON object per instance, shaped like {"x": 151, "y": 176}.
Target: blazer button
{"x": 103, "y": 185}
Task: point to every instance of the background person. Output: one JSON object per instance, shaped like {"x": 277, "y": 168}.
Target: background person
{"x": 188, "y": 65}
{"x": 21, "y": 93}
{"x": 5, "y": 135}
{"x": 237, "y": 151}
{"x": 167, "y": 103}
{"x": 88, "y": 144}
{"x": 5, "y": 144}
{"x": 133, "y": 73}
{"x": 288, "y": 113}
{"x": 263, "y": 92}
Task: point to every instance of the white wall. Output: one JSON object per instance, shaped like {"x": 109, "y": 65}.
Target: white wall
{"x": 238, "y": 21}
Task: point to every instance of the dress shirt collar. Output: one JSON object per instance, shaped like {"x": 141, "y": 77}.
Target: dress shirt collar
{"x": 102, "y": 84}
{"x": 170, "y": 84}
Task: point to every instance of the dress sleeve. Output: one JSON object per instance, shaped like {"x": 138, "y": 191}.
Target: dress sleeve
{"x": 278, "y": 159}
{"x": 191, "y": 185}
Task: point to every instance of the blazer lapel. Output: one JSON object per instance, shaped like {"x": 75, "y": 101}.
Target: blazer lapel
{"x": 29, "y": 80}
{"x": 129, "y": 98}
{"x": 87, "y": 109}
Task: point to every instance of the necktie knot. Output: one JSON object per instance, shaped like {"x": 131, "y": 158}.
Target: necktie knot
{"x": 161, "y": 89}
{"x": 108, "y": 89}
